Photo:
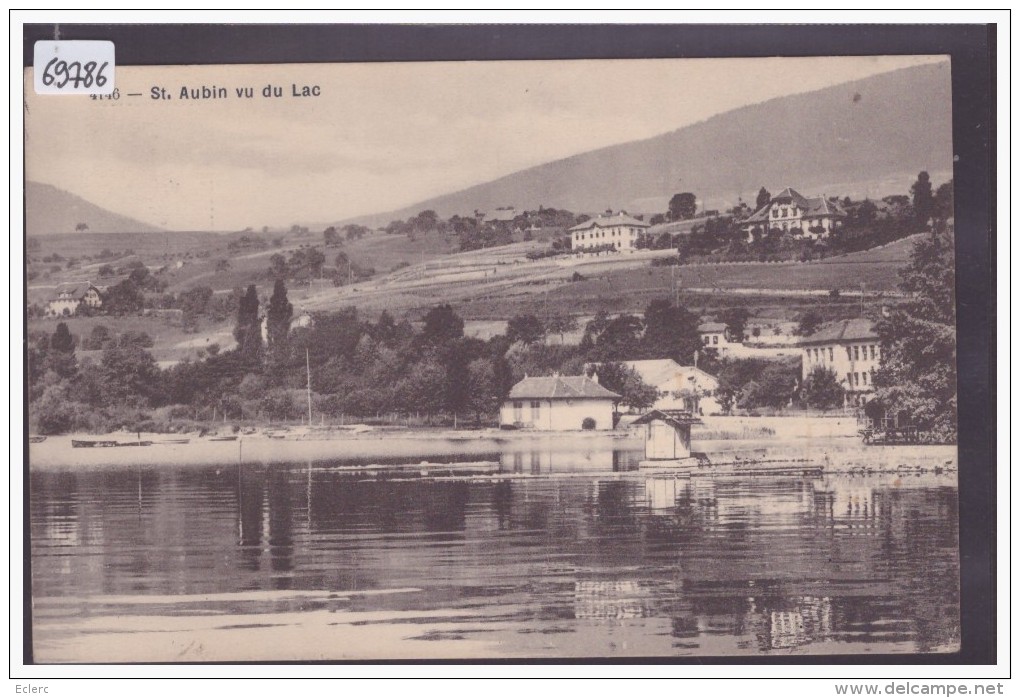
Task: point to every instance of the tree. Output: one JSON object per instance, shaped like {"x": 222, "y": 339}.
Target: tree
{"x": 248, "y": 331}
{"x": 736, "y": 322}
{"x": 98, "y": 337}
{"x": 773, "y": 387}
{"x": 809, "y": 322}
{"x": 331, "y": 237}
{"x": 657, "y": 219}
{"x": 526, "y": 329}
{"x": 671, "y": 331}
{"x": 683, "y": 206}
{"x": 62, "y": 341}
{"x": 278, "y": 317}
{"x": 81, "y": 227}
{"x": 821, "y": 389}
{"x": 561, "y": 324}
{"x": 482, "y": 391}
{"x": 123, "y": 298}
{"x": 355, "y": 232}
{"x": 222, "y": 265}
{"x": 620, "y": 340}
{"x": 442, "y": 325}
{"x": 763, "y": 199}
{"x": 195, "y": 301}
{"x": 593, "y": 328}
{"x": 917, "y": 376}
{"x": 922, "y": 198}
{"x": 943, "y": 203}
{"x": 278, "y": 266}
{"x": 130, "y": 376}
{"x": 627, "y": 383}
{"x": 314, "y": 259}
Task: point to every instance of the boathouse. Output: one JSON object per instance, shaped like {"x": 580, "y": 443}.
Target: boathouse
{"x": 667, "y": 434}
{"x": 560, "y": 403}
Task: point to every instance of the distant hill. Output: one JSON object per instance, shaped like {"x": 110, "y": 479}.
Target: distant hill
{"x": 49, "y": 210}
{"x": 868, "y": 137}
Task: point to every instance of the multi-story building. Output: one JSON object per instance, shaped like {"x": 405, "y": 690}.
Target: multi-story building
{"x": 70, "y": 298}
{"x": 791, "y": 212}
{"x": 851, "y": 350}
{"x": 618, "y": 230}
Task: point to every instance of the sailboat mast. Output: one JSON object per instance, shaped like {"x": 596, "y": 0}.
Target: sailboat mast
{"x": 308, "y": 383}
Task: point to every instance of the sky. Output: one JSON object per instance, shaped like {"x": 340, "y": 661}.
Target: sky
{"x": 379, "y": 136}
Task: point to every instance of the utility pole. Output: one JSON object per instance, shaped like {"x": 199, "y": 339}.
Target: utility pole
{"x": 862, "y": 299}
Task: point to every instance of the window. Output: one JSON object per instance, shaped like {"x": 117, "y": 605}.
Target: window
{"x": 857, "y": 353}
{"x": 536, "y": 410}
{"x": 849, "y": 380}
{"x": 715, "y": 339}
{"x": 864, "y": 377}
{"x": 848, "y": 354}
{"x": 872, "y": 352}
{"x": 707, "y": 339}
{"x": 784, "y": 213}
{"x": 857, "y": 379}
{"x": 775, "y": 213}
{"x": 830, "y": 354}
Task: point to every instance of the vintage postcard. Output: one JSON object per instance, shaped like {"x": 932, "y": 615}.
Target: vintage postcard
{"x": 493, "y": 360}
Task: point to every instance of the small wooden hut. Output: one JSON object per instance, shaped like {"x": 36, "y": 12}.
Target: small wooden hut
{"x": 667, "y": 434}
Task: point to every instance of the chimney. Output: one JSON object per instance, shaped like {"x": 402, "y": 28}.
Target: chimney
{"x": 595, "y": 376}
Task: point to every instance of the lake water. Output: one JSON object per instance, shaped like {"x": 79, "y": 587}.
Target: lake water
{"x": 571, "y": 554}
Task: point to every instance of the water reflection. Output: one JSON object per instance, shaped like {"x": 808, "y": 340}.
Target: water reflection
{"x": 616, "y": 561}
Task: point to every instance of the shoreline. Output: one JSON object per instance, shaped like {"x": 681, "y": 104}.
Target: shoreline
{"x": 573, "y": 452}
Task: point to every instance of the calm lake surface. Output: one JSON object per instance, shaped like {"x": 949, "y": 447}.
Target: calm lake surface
{"x": 573, "y": 554}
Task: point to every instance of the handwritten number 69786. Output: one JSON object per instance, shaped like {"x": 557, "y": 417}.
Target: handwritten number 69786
{"x": 61, "y": 73}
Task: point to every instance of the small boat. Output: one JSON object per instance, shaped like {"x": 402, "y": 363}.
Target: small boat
{"x": 174, "y": 441}
{"x": 223, "y": 438}
{"x": 36, "y": 439}
{"x": 103, "y": 443}
{"x": 81, "y": 443}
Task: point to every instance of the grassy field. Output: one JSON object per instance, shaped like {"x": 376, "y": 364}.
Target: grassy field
{"x": 171, "y": 342}
{"x": 489, "y": 285}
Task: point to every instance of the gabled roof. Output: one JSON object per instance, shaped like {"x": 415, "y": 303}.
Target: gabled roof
{"x": 560, "y": 387}
{"x": 609, "y": 222}
{"x": 854, "y": 330}
{"x": 75, "y": 290}
{"x": 675, "y": 418}
{"x": 657, "y": 372}
{"x": 712, "y": 327}
{"x": 820, "y": 206}
{"x": 792, "y": 195}
{"x": 814, "y": 207}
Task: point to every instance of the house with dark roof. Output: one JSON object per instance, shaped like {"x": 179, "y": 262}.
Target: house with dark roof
{"x": 791, "y": 212}
{"x": 71, "y": 297}
{"x": 618, "y": 230}
{"x": 851, "y": 350}
{"x": 557, "y": 403}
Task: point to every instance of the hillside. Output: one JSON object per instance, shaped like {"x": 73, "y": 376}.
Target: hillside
{"x": 49, "y": 210}
{"x": 868, "y": 137}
